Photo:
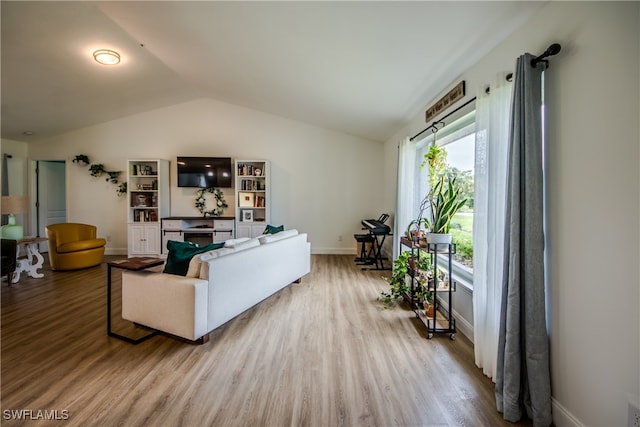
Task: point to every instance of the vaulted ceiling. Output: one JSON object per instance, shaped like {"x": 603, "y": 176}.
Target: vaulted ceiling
{"x": 363, "y": 68}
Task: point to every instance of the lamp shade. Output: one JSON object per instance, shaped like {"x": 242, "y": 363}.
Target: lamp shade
{"x": 12, "y": 205}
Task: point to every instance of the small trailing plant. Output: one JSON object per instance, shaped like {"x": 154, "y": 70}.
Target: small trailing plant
{"x": 98, "y": 169}
{"x": 81, "y": 158}
{"x": 113, "y": 176}
{"x": 122, "y": 188}
{"x": 436, "y": 160}
{"x": 401, "y": 268}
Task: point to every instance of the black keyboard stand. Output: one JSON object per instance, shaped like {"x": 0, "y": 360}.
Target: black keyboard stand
{"x": 372, "y": 257}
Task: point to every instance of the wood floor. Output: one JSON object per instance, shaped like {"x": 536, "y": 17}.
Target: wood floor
{"x": 320, "y": 353}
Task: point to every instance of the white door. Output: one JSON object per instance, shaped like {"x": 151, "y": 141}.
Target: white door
{"x": 51, "y": 196}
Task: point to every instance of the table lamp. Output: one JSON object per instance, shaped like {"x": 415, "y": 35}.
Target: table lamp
{"x": 12, "y": 205}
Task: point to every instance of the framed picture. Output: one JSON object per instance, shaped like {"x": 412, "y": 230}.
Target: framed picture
{"x": 247, "y": 215}
{"x": 245, "y": 200}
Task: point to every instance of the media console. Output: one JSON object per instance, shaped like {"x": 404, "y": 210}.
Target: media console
{"x": 196, "y": 229}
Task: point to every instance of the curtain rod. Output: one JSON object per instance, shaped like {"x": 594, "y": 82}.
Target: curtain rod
{"x": 551, "y": 51}
{"x": 435, "y": 124}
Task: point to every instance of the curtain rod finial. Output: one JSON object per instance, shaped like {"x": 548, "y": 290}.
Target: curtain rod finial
{"x": 554, "y": 49}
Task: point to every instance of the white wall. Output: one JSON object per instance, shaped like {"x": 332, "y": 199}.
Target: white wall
{"x": 323, "y": 182}
{"x": 594, "y": 199}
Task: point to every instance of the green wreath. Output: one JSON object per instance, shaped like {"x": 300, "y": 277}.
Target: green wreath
{"x": 201, "y": 202}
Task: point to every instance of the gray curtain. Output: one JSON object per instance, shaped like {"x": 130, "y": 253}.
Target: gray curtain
{"x": 523, "y": 381}
{"x": 5, "y": 183}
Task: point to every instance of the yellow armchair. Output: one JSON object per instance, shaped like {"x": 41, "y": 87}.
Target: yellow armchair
{"x": 74, "y": 246}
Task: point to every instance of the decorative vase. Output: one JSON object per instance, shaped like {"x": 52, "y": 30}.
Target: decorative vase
{"x": 438, "y": 238}
{"x": 12, "y": 230}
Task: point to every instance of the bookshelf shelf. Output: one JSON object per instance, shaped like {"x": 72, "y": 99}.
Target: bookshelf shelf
{"x": 252, "y": 191}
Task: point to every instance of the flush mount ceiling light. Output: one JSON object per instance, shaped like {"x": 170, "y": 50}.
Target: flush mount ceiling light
{"x": 106, "y": 57}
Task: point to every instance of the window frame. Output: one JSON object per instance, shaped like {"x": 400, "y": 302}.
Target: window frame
{"x": 456, "y": 130}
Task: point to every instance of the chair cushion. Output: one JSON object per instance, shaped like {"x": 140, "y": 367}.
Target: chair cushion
{"x": 80, "y": 245}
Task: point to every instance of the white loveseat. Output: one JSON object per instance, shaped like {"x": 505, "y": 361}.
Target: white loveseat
{"x": 227, "y": 282}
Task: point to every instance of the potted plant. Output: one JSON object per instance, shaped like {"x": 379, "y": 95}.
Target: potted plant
{"x": 435, "y": 159}
{"x": 402, "y": 266}
{"x": 414, "y": 231}
{"x": 445, "y": 199}
{"x": 429, "y": 306}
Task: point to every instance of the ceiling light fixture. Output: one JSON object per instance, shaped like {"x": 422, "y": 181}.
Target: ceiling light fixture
{"x": 106, "y": 57}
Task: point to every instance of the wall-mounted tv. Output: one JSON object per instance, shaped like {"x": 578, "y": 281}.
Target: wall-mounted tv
{"x": 204, "y": 172}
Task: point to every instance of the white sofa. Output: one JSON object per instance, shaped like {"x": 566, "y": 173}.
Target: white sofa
{"x": 224, "y": 283}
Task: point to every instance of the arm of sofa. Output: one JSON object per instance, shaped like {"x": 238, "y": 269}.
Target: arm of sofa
{"x": 166, "y": 302}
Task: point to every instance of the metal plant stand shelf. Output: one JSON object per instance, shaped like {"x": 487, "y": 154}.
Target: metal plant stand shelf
{"x": 441, "y": 320}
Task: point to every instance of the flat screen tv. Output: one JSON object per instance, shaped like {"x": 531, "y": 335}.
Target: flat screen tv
{"x": 204, "y": 172}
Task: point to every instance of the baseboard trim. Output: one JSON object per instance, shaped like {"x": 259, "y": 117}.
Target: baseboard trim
{"x": 332, "y": 251}
{"x": 115, "y": 251}
{"x": 562, "y": 417}
{"x": 462, "y": 325}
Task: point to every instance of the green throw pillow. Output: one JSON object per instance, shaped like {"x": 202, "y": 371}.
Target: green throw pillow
{"x": 273, "y": 229}
{"x": 180, "y": 254}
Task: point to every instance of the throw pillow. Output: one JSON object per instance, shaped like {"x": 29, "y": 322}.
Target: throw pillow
{"x": 278, "y": 236}
{"x": 180, "y": 254}
{"x": 232, "y": 243}
{"x": 273, "y": 229}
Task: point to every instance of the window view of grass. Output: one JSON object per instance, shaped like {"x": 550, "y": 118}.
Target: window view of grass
{"x": 460, "y": 154}
{"x": 462, "y": 234}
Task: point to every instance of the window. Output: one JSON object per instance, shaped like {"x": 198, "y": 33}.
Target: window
{"x": 458, "y": 138}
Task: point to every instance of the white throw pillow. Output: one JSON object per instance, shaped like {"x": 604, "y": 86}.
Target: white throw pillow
{"x": 268, "y": 238}
{"x": 204, "y": 270}
{"x": 251, "y": 243}
{"x": 232, "y": 243}
{"x": 195, "y": 265}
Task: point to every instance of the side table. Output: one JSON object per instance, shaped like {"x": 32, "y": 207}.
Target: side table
{"x": 133, "y": 264}
{"x": 33, "y": 260}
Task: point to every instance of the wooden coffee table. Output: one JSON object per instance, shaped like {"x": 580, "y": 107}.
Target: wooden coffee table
{"x": 132, "y": 264}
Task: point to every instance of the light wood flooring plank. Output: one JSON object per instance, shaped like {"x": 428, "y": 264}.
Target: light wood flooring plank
{"x": 323, "y": 352}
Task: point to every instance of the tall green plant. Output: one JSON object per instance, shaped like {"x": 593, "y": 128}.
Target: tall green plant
{"x": 445, "y": 200}
{"x": 435, "y": 159}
